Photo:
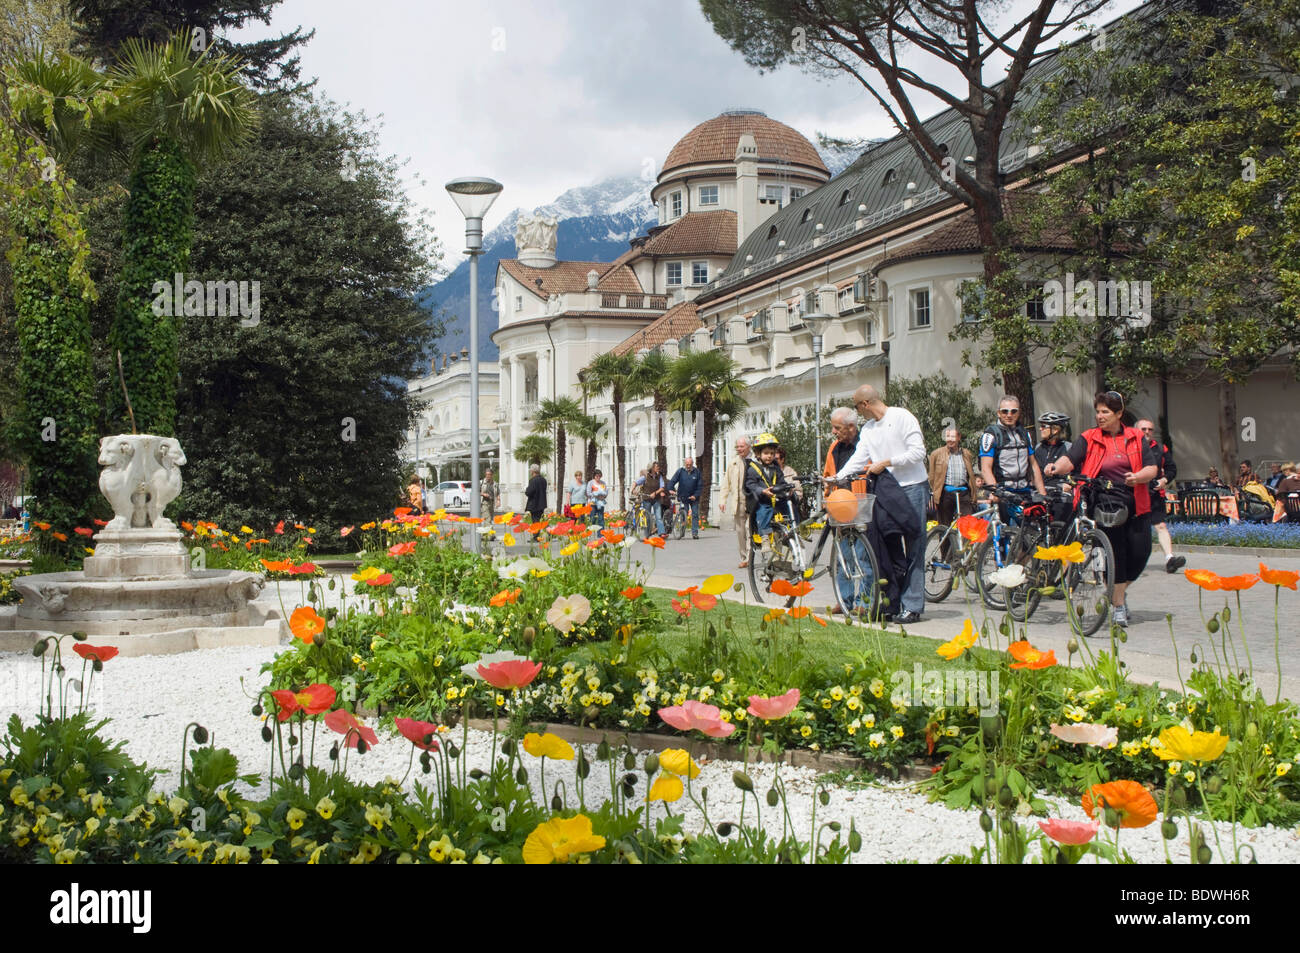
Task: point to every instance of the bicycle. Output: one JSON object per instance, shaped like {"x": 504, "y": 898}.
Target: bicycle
{"x": 1011, "y": 545}
{"x": 948, "y": 555}
{"x": 786, "y": 558}
{"x": 1088, "y": 585}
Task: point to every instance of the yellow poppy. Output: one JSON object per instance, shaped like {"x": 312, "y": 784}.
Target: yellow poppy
{"x": 952, "y": 649}
{"x": 667, "y": 788}
{"x": 1178, "y": 744}
{"x": 548, "y": 746}
{"x": 1073, "y": 553}
{"x": 559, "y": 839}
{"x": 678, "y": 761}
{"x": 716, "y": 585}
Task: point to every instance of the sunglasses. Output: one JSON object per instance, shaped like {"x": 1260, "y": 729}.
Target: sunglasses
{"x": 1012, "y": 410}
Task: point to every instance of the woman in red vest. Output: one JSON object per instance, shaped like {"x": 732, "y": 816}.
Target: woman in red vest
{"x": 1117, "y": 453}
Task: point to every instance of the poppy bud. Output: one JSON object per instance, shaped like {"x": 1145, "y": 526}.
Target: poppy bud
{"x": 651, "y": 764}
{"x": 529, "y": 635}
{"x": 331, "y": 613}
{"x": 39, "y": 648}
{"x": 362, "y": 747}
{"x": 1005, "y": 824}
{"x": 1169, "y": 829}
{"x": 742, "y": 780}
{"x": 96, "y": 665}
{"x": 257, "y": 710}
{"x": 824, "y": 796}
{"x": 1123, "y": 635}
{"x": 602, "y": 750}
{"x": 1005, "y": 797}
{"x": 1204, "y": 855}
{"x": 629, "y": 761}
{"x": 200, "y": 735}
{"x": 1072, "y": 646}
{"x": 992, "y": 727}
{"x": 295, "y": 771}
{"x": 986, "y": 822}
{"x": 725, "y": 829}
{"x": 1112, "y": 818}
{"x": 990, "y": 787}
{"x": 266, "y": 733}
{"x": 1178, "y": 798}
{"x": 426, "y": 765}
{"x": 508, "y": 747}
{"x": 334, "y": 752}
{"x": 318, "y": 638}
{"x": 628, "y": 790}
{"x": 1252, "y": 730}
{"x": 80, "y": 636}
{"x": 855, "y": 839}
{"x": 1192, "y": 657}
{"x": 1227, "y": 614}
{"x": 1212, "y": 625}
{"x": 521, "y": 775}
{"x": 475, "y": 774}
{"x": 293, "y": 740}
{"x": 630, "y": 780}
{"x": 1214, "y": 785}
{"x": 556, "y": 803}
{"x": 330, "y": 584}
{"x": 452, "y": 750}
{"x": 1005, "y": 628}
{"x": 835, "y": 826}
{"x": 773, "y": 799}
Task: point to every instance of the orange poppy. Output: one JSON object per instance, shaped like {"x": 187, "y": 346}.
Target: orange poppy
{"x": 784, "y": 587}
{"x": 305, "y": 624}
{"x": 41, "y": 526}
{"x": 536, "y": 527}
{"x": 84, "y": 531}
{"x": 687, "y": 591}
{"x": 611, "y": 537}
{"x": 400, "y": 511}
{"x": 798, "y": 612}
{"x": 1237, "y": 583}
{"x": 1279, "y": 577}
{"x": 1204, "y": 578}
{"x": 505, "y": 596}
{"x": 1026, "y": 656}
{"x": 616, "y": 523}
{"x": 656, "y": 541}
{"x": 820, "y": 621}
{"x": 703, "y": 601}
{"x": 595, "y": 543}
{"x": 634, "y": 592}
{"x": 973, "y": 529}
{"x": 681, "y": 608}
{"x": 582, "y": 509}
{"x": 473, "y": 519}
{"x": 1136, "y": 806}
{"x": 61, "y": 537}
{"x": 188, "y": 527}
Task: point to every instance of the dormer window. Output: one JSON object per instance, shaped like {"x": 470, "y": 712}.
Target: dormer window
{"x": 844, "y": 196}
{"x": 807, "y": 214}
{"x": 891, "y": 176}
{"x": 771, "y": 233}
{"x": 708, "y": 195}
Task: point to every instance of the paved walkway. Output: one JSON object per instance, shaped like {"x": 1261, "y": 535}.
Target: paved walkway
{"x": 1149, "y": 650}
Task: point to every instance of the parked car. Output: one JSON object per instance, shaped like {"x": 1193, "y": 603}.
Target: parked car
{"x": 455, "y": 493}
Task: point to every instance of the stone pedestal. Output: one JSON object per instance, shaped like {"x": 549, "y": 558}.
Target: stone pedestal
{"x": 138, "y": 554}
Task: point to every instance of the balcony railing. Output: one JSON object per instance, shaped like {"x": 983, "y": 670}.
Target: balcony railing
{"x": 638, "y": 302}
{"x": 528, "y": 410}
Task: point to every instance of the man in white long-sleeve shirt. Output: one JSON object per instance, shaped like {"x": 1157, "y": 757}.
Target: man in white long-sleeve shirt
{"x": 891, "y": 439}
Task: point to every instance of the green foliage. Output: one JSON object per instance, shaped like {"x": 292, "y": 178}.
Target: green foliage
{"x": 937, "y": 403}
{"x": 534, "y": 448}
{"x": 798, "y": 436}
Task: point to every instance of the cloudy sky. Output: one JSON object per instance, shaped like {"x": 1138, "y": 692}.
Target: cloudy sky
{"x": 545, "y": 95}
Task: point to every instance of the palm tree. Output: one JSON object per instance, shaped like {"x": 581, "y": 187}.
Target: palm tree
{"x": 647, "y": 380}
{"x": 534, "y": 448}
{"x": 588, "y": 430}
{"x": 610, "y": 371}
{"x": 564, "y": 414}
{"x": 176, "y": 111}
{"x": 705, "y": 382}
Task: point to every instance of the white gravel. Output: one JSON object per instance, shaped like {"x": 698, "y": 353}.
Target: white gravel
{"x": 150, "y": 699}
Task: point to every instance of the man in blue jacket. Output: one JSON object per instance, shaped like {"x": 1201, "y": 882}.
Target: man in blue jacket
{"x": 686, "y": 481}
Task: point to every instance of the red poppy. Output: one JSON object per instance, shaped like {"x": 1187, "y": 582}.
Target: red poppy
{"x": 510, "y": 673}
{"x": 382, "y": 579}
{"x": 105, "y": 523}
{"x": 656, "y": 541}
{"x": 611, "y": 537}
{"x": 312, "y": 700}
{"x": 279, "y": 528}
{"x": 422, "y": 734}
{"x": 616, "y": 523}
{"x": 703, "y": 601}
{"x": 101, "y": 653}
{"x": 345, "y": 723}
{"x": 595, "y": 543}
{"x": 402, "y": 511}
{"x": 561, "y": 529}
{"x": 83, "y": 531}
{"x": 681, "y": 608}
{"x": 633, "y": 592}
{"x": 973, "y": 529}
{"x": 306, "y": 569}
{"x": 401, "y": 549}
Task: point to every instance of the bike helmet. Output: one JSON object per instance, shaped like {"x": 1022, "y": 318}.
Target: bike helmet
{"x": 1054, "y": 419}
{"x": 1110, "y": 513}
{"x": 765, "y": 440}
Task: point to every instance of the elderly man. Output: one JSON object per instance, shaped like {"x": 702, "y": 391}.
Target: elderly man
{"x": 733, "y": 492}
{"x": 953, "y": 477}
{"x": 1168, "y": 471}
{"x": 686, "y": 481}
{"x": 892, "y": 440}
{"x": 844, "y": 428}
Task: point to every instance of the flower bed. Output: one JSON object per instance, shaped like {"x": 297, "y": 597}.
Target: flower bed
{"x": 1263, "y": 535}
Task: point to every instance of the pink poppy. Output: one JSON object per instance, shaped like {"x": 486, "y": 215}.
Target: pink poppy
{"x": 1069, "y": 832}
{"x": 345, "y": 723}
{"x": 416, "y": 732}
{"x": 697, "y": 716}
{"x": 510, "y": 673}
{"x": 1101, "y": 736}
{"x": 774, "y": 708}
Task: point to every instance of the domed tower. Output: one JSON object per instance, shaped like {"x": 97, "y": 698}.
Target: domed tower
{"x": 740, "y": 161}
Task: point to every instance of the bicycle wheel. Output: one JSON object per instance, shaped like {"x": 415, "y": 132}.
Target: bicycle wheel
{"x": 855, "y": 574}
{"x": 987, "y": 560}
{"x": 1024, "y": 599}
{"x": 1090, "y": 584}
{"x": 940, "y": 557}
{"x": 769, "y": 563}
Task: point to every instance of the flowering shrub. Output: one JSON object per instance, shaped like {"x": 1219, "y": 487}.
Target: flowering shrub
{"x": 1275, "y": 535}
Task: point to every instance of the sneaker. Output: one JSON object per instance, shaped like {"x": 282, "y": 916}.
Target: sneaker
{"x": 1121, "y": 616}
{"x": 907, "y": 618}
{"x": 1175, "y": 563}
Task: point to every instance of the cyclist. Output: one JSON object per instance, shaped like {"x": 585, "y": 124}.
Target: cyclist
{"x": 1053, "y": 429}
{"x": 1168, "y": 470}
{"x": 762, "y": 476}
{"x": 844, "y": 427}
{"x": 1006, "y": 454}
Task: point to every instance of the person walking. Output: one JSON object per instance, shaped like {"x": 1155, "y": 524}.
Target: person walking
{"x": 653, "y": 494}
{"x": 892, "y": 440}
{"x": 597, "y": 494}
{"x": 489, "y": 496}
{"x": 1053, "y": 429}
{"x": 844, "y": 430}
{"x": 732, "y": 493}
{"x": 1128, "y": 462}
{"x": 1006, "y": 454}
{"x": 1159, "y": 509}
{"x": 535, "y": 494}
{"x": 577, "y": 496}
{"x": 687, "y": 482}
{"x": 415, "y": 497}
{"x": 952, "y": 478}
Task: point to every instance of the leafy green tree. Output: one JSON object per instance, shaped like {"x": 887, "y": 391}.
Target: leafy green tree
{"x": 177, "y": 111}
{"x": 938, "y": 403}
{"x": 798, "y": 436}
{"x": 707, "y": 383}
{"x": 647, "y": 380}
{"x": 609, "y": 372}
{"x": 534, "y": 448}
{"x": 879, "y": 43}
{"x": 562, "y": 414}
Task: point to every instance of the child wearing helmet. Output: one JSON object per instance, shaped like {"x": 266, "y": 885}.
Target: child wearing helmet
{"x": 762, "y": 476}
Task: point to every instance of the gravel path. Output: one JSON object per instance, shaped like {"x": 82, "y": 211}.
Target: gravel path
{"x": 150, "y": 699}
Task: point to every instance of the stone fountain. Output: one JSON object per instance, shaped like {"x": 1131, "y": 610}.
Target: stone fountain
{"x": 140, "y": 590}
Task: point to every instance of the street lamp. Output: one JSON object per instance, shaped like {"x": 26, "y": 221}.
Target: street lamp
{"x": 817, "y": 323}
{"x": 474, "y": 195}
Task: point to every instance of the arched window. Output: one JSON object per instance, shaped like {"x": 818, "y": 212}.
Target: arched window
{"x": 844, "y": 196}
{"x": 771, "y": 233}
{"x": 807, "y": 214}
{"x": 891, "y": 176}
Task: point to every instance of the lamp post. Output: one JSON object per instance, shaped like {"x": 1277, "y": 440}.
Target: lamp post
{"x": 473, "y": 195}
{"x": 817, "y": 323}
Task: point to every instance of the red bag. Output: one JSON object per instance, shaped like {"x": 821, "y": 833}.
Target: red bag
{"x": 568, "y": 511}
